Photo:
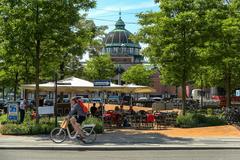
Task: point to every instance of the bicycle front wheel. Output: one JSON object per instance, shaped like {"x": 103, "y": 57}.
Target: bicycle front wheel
{"x": 90, "y": 135}
{"x": 58, "y": 135}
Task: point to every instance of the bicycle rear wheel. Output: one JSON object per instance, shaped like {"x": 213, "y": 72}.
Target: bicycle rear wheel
{"x": 90, "y": 135}
{"x": 58, "y": 135}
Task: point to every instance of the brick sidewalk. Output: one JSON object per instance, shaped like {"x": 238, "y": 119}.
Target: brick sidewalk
{"x": 214, "y": 131}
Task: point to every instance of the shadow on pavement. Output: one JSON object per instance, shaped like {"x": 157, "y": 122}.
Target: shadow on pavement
{"x": 124, "y": 137}
{"x": 127, "y": 137}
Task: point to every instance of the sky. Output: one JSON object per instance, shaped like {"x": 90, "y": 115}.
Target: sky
{"x": 107, "y": 12}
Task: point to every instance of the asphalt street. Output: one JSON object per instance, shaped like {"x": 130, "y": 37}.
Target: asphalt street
{"x": 120, "y": 155}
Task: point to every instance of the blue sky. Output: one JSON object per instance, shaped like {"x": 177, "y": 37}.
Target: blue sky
{"x": 107, "y": 12}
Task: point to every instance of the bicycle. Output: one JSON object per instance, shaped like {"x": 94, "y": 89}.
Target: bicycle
{"x": 59, "y": 134}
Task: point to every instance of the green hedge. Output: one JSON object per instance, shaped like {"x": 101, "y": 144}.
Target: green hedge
{"x": 28, "y": 127}
{"x": 191, "y": 120}
{"x": 4, "y": 119}
{"x": 98, "y": 122}
{"x": 14, "y": 129}
{"x": 23, "y": 129}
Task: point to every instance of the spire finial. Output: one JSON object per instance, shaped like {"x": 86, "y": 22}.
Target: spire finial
{"x": 120, "y": 24}
{"x": 120, "y": 13}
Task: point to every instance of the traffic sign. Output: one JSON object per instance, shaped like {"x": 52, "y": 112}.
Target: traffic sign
{"x": 102, "y": 83}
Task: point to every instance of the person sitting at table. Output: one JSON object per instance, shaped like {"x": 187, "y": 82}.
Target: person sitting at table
{"x": 117, "y": 116}
{"x": 117, "y": 110}
{"x": 93, "y": 110}
{"x": 100, "y": 110}
{"x": 131, "y": 111}
{"x": 121, "y": 110}
{"x": 142, "y": 112}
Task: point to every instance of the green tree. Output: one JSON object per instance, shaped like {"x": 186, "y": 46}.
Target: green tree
{"x": 13, "y": 68}
{"x": 172, "y": 35}
{"x": 99, "y": 68}
{"x": 87, "y": 40}
{"x": 223, "y": 45}
{"x": 137, "y": 74}
{"x": 41, "y": 29}
{"x": 96, "y": 38}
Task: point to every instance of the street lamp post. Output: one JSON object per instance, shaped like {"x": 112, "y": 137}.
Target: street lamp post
{"x": 55, "y": 104}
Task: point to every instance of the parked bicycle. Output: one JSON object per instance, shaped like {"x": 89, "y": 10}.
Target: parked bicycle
{"x": 232, "y": 115}
{"x": 59, "y": 134}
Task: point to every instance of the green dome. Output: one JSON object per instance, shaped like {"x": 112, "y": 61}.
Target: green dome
{"x": 118, "y": 41}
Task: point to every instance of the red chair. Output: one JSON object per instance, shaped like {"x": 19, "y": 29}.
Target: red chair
{"x": 107, "y": 120}
{"x": 117, "y": 119}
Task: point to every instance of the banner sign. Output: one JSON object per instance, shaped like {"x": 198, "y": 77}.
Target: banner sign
{"x": 13, "y": 111}
{"x": 46, "y": 110}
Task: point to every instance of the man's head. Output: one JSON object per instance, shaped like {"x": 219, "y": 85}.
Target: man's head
{"x": 121, "y": 106}
{"x": 73, "y": 100}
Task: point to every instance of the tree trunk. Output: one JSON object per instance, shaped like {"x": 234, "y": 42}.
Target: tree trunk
{"x": 184, "y": 74}
{"x": 176, "y": 91}
{"x": 183, "y": 97}
{"x": 37, "y": 65}
{"x": 62, "y": 73}
{"x": 201, "y": 90}
{"x": 15, "y": 86}
{"x": 228, "y": 88}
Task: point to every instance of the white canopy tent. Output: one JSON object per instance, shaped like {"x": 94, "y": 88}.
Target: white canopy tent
{"x": 66, "y": 85}
{"x": 132, "y": 88}
{"x": 73, "y": 84}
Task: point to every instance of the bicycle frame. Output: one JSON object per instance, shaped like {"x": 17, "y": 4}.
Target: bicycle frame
{"x": 90, "y": 126}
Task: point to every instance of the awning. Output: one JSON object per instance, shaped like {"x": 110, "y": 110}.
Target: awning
{"x": 73, "y": 84}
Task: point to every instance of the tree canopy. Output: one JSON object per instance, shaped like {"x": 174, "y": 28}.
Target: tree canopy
{"x": 193, "y": 40}
{"x": 99, "y": 68}
{"x": 137, "y": 74}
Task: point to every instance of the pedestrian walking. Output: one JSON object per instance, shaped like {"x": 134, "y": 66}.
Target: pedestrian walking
{"x": 22, "y": 108}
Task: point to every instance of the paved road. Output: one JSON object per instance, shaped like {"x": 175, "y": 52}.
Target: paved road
{"x": 120, "y": 155}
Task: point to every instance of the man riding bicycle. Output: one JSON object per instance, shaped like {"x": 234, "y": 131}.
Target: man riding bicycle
{"x": 76, "y": 116}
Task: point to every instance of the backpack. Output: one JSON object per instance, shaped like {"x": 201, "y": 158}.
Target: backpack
{"x": 84, "y": 107}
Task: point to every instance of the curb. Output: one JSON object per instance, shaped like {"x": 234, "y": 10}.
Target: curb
{"x": 116, "y": 148}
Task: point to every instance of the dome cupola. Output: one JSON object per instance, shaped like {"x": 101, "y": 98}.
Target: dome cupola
{"x": 118, "y": 42}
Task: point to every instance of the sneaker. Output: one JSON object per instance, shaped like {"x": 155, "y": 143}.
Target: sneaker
{"x": 81, "y": 138}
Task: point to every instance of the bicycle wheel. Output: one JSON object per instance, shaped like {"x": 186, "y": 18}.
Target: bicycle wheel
{"x": 58, "y": 135}
{"x": 90, "y": 135}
